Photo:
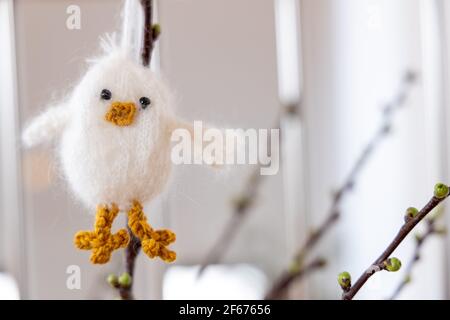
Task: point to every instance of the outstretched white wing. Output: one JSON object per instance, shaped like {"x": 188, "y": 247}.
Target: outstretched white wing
{"x": 205, "y": 139}
{"x": 46, "y": 126}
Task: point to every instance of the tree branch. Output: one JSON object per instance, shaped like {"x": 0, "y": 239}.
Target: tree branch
{"x": 432, "y": 229}
{"x": 125, "y": 285}
{"x": 441, "y": 193}
{"x": 131, "y": 253}
{"x": 334, "y": 210}
{"x": 241, "y": 206}
{"x": 147, "y": 46}
{"x": 278, "y": 290}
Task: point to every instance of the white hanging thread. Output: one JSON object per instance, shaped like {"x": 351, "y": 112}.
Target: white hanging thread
{"x": 132, "y": 35}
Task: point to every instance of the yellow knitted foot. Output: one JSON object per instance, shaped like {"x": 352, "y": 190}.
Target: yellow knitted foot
{"x": 153, "y": 242}
{"x": 101, "y": 241}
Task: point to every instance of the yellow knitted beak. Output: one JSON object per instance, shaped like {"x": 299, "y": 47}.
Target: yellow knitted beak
{"x": 121, "y": 113}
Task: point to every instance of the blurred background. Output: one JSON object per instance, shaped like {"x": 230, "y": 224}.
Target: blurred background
{"x": 324, "y": 70}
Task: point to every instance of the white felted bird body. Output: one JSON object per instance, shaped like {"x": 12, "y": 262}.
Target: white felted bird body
{"x": 114, "y": 148}
{"x": 109, "y": 162}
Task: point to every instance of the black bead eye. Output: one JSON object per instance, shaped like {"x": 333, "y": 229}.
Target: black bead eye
{"x": 145, "y": 102}
{"x": 106, "y": 94}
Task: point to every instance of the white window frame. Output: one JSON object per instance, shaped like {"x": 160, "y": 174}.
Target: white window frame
{"x": 12, "y": 235}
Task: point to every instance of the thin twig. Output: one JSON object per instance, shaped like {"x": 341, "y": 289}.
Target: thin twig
{"x": 432, "y": 229}
{"x": 350, "y": 181}
{"x": 288, "y": 277}
{"x": 334, "y": 210}
{"x": 147, "y": 46}
{"x": 241, "y": 207}
{"x": 151, "y": 33}
{"x": 401, "y": 235}
{"x": 131, "y": 253}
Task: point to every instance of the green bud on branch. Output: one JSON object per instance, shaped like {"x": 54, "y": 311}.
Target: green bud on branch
{"x": 392, "y": 264}
{"x": 125, "y": 280}
{"x": 294, "y": 267}
{"x": 441, "y": 190}
{"x": 410, "y": 214}
{"x": 345, "y": 280}
{"x": 156, "y": 31}
{"x": 242, "y": 203}
{"x": 112, "y": 280}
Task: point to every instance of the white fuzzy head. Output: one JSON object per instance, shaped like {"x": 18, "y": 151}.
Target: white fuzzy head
{"x": 117, "y": 91}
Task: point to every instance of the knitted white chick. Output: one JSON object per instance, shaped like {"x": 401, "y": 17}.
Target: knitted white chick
{"x": 115, "y": 130}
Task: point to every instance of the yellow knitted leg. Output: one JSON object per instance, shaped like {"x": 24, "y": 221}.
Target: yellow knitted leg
{"x": 101, "y": 241}
{"x": 153, "y": 242}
